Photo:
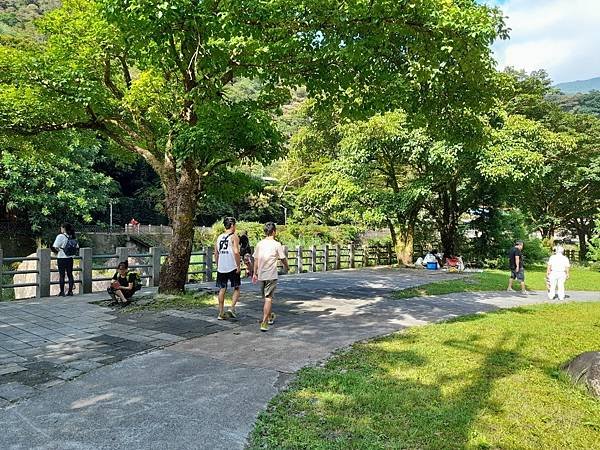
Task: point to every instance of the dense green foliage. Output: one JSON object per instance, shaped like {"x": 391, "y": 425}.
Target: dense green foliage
{"x": 385, "y": 116}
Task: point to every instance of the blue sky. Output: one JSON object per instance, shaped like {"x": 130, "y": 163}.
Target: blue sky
{"x": 561, "y": 36}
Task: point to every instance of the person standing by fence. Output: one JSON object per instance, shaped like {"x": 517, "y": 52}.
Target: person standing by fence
{"x": 557, "y": 273}
{"x": 65, "y": 246}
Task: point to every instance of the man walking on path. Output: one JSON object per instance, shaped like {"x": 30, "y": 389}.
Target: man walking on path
{"x": 517, "y": 272}
{"x": 227, "y": 254}
{"x": 557, "y": 273}
{"x": 266, "y": 255}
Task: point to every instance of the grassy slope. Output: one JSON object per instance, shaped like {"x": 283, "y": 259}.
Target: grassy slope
{"x": 485, "y": 381}
{"x": 582, "y": 279}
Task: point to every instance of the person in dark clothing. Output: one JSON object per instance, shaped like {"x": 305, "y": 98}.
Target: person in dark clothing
{"x": 515, "y": 262}
{"x": 246, "y": 253}
{"x": 123, "y": 285}
{"x": 64, "y": 261}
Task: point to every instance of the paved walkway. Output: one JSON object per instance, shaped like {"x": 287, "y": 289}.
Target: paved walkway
{"x": 205, "y": 381}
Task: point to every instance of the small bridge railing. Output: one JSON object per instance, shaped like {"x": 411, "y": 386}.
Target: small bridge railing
{"x": 90, "y": 269}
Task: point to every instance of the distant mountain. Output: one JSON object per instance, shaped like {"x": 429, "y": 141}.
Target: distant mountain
{"x": 583, "y": 86}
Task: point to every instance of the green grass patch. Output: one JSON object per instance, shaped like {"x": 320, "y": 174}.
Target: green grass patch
{"x": 581, "y": 279}
{"x": 159, "y": 302}
{"x": 482, "y": 382}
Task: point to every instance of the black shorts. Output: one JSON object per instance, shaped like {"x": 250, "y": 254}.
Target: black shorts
{"x": 232, "y": 277}
{"x": 518, "y": 274}
{"x": 127, "y": 293}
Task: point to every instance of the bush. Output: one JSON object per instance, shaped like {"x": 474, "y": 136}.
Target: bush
{"x": 290, "y": 235}
{"x": 498, "y": 231}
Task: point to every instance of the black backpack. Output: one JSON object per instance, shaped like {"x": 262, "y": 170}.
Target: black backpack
{"x": 137, "y": 282}
{"x": 71, "y": 248}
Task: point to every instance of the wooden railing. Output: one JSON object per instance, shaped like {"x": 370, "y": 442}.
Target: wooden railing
{"x": 90, "y": 268}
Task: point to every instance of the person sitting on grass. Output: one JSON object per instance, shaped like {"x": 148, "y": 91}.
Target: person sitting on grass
{"x": 123, "y": 284}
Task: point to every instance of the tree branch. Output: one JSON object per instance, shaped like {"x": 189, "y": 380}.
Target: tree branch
{"x": 112, "y": 87}
{"x": 126, "y": 72}
{"x": 89, "y": 125}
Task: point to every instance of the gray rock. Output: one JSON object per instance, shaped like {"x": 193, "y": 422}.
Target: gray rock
{"x": 585, "y": 370}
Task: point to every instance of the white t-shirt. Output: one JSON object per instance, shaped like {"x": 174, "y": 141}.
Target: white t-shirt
{"x": 429, "y": 257}
{"x": 559, "y": 263}
{"x": 226, "y": 257}
{"x": 266, "y": 254}
{"x": 60, "y": 242}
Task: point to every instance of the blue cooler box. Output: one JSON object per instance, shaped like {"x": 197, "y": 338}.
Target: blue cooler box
{"x": 431, "y": 266}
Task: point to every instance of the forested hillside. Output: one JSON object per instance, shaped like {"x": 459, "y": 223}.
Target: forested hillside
{"x": 17, "y": 15}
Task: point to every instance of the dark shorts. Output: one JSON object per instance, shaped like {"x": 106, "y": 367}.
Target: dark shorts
{"x": 518, "y": 274}
{"x": 128, "y": 293}
{"x": 267, "y": 288}
{"x": 232, "y": 278}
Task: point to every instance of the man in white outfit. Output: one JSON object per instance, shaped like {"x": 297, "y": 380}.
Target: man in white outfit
{"x": 557, "y": 273}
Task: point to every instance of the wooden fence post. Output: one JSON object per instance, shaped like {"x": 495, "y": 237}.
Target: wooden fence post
{"x": 43, "y": 276}
{"x": 325, "y": 257}
{"x": 1, "y": 278}
{"x": 313, "y": 258}
{"x": 338, "y": 257}
{"x": 365, "y": 256}
{"x": 389, "y": 253}
{"x": 122, "y": 254}
{"x": 155, "y": 258}
{"x": 85, "y": 264}
{"x": 351, "y": 255}
{"x": 286, "y": 251}
{"x": 299, "y": 259}
{"x": 209, "y": 263}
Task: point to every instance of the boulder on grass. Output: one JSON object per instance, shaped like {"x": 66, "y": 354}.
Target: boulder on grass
{"x": 585, "y": 370}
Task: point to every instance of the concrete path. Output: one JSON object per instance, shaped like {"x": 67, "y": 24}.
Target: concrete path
{"x": 205, "y": 392}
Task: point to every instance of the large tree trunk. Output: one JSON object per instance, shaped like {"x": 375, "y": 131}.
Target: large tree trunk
{"x": 449, "y": 225}
{"x": 405, "y": 245}
{"x": 582, "y": 234}
{"x": 181, "y": 202}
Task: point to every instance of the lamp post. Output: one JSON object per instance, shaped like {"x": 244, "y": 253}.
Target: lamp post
{"x": 110, "y": 202}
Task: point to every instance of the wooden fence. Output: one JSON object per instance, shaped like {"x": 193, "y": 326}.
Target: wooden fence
{"x": 90, "y": 268}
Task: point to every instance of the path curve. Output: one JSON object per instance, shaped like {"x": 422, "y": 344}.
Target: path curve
{"x": 206, "y": 392}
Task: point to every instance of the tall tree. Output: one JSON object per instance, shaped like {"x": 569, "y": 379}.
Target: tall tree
{"x": 152, "y": 76}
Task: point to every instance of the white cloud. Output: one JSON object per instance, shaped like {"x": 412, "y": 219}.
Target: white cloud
{"x": 560, "y": 36}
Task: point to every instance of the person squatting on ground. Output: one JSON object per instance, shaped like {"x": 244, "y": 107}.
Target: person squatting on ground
{"x": 557, "y": 273}
{"x": 123, "y": 285}
{"x": 65, "y": 246}
{"x": 267, "y": 254}
{"x": 227, "y": 254}
{"x": 515, "y": 262}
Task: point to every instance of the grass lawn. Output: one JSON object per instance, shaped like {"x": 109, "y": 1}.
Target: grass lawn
{"x": 480, "y": 382}
{"x": 581, "y": 279}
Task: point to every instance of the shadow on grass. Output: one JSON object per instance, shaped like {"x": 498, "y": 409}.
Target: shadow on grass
{"x": 368, "y": 400}
{"x": 483, "y": 315}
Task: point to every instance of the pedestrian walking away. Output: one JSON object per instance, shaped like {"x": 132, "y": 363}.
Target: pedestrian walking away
{"x": 267, "y": 254}
{"x": 557, "y": 273}
{"x": 227, "y": 253}
{"x": 517, "y": 270}
{"x": 66, "y": 247}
